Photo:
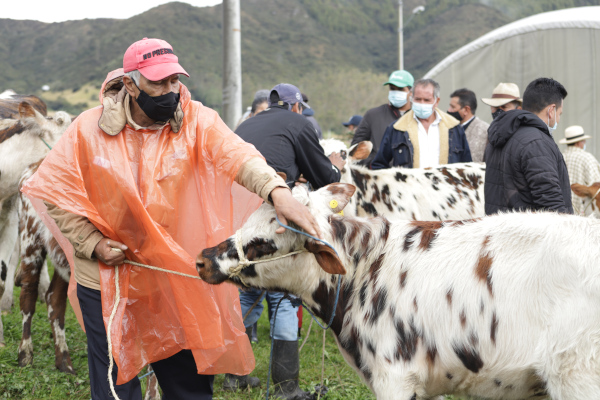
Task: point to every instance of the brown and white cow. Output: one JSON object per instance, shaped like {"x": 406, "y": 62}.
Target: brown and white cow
{"x": 452, "y": 191}
{"x": 591, "y": 196}
{"x": 37, "y": 243}
{"x": 503, "y": 307}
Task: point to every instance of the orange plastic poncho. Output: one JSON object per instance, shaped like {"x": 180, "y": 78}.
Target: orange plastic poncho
{"x": 166, "y": 196}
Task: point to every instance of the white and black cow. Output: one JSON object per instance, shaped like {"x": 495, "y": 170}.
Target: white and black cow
{"x": 452, "y": 191}
{"x": 503, "y": 307}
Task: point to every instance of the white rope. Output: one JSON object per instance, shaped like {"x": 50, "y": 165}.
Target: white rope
{"x": 233, "y": 271}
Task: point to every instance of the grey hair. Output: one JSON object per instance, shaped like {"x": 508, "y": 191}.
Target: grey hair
{"x": 134, "y": 75}
{"x": 428, "y": 82}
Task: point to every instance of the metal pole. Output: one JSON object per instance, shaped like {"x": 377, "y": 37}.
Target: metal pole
{"x": 400, "y": 37}
{"x": 232, "y": 63}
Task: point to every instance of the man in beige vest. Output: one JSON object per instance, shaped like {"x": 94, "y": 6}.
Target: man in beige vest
{"x": 425, "y": 136}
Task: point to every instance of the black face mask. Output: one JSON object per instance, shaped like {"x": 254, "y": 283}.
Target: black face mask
{"x": 159, "y": 108}
{"x": 455, "y": 114}
{"x": 497, "y": 113}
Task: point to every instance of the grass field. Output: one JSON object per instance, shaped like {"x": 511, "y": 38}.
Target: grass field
{"x": 43, "y": 381}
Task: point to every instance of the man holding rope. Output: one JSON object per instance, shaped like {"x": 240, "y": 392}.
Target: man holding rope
{"x": 149, "y": 177}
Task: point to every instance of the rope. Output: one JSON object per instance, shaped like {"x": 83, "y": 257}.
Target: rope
{"x": 47, "y": 145}
{"x": 234, "y": 271}
{"x": 254, "y": 305}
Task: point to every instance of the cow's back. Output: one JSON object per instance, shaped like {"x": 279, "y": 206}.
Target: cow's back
{"x": 9, "y": 107}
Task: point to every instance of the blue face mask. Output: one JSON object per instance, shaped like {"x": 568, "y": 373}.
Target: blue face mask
{"x": 397, "y": 98}
{"x": 422, "y": 111}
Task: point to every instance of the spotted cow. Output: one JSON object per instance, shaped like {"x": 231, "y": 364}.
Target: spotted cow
{"x": 452, "y": 191}
{"x": 590, "y": 196}
{"x": 502, "y": 307}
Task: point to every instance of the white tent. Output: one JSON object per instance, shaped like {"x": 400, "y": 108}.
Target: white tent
{"x": 563, "y": 45}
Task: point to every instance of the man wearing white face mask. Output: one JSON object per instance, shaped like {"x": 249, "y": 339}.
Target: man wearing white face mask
{"x": 425, "y": 136}
{"x": 376, "y": 120}
{"x": 582, "y": 166}
{"x": 524, "y": 167}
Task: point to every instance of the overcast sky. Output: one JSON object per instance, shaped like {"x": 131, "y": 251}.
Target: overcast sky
{"x": 65, "y": 10}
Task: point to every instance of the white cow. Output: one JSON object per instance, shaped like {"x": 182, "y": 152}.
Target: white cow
{"x": 503, "y": 307}
{"x": 452, "y": 191}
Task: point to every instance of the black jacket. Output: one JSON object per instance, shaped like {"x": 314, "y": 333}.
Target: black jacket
{"x": 289, "y": 144}
{"x": 524, "y": 167}
{"x": 373, "y": 126}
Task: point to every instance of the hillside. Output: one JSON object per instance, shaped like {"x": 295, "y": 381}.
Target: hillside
{"x": 337, "y": 51}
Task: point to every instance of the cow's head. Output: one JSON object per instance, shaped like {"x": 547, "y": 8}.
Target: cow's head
{"x": 258, "y": 241}
{"x": 589, "y": 193}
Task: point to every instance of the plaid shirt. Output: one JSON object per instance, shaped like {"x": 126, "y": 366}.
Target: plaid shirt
{"x": 584, "y": 169}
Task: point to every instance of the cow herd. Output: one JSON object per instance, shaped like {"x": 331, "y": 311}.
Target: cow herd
{"x": 426, "y": 308}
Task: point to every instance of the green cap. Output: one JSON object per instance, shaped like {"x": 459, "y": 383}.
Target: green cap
{"x": 401, "y": 79}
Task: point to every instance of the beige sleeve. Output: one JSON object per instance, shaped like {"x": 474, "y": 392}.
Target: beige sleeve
{"x": 256, "y": 176}
{"x": 83, "y": 235}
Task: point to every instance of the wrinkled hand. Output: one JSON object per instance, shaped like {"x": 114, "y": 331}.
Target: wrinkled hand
{"x": 337, "y": 160}
{"x": 288, "y": 208}
{"x": 110, "y": 252}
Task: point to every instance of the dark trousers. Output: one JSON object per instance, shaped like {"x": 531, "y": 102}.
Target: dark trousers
{"x": 177, "y": 375}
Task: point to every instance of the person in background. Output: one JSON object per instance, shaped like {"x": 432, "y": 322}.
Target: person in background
{"x": 524, "y": 167}
{"x": 505, "y": 97}
{"x": 376, "y": 120}
{"x": 309, "y": 114}
{"x": 260, "y": 103}
{"x": 425, "y": 136}
{"x": 288, "y": 142}
{"x": 463, "y": 105}
{"x": 583, "y": 167}
{"x": 352, "y": 123}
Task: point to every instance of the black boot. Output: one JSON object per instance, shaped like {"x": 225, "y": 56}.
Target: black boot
{"x": 286, "y": 369}
{"x": 254, "y": 335}
{"x": 235, "y": 382}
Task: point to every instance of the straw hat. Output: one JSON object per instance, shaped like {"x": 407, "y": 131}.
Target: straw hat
{"x": 574, "y": 134}
{"x": 502, "y": 94}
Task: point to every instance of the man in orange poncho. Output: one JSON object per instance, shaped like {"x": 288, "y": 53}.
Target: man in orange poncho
{"x": 151, "y": 176}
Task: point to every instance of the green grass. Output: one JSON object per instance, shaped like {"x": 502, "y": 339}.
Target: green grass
{"x": 43, "y": 381}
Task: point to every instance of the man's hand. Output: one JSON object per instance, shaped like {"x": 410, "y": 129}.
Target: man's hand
{"x": 337, "y": 160}
{"x": 110, "y": 252}
{"x": 301, "y": 180}
{"x": 288, "y": 208}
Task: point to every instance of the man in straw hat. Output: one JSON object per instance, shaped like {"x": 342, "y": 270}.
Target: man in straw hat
{"x": 505, "y": 97}
{"x": 583, "y": 167}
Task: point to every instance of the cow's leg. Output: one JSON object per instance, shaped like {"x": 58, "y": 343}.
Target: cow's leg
{"x": 9, "y": 249}
{"x": 3, "y": 271}
{"x": 57, "y": 304}
{"x": 152, "y": 392}
{"x": 31, "y": 264}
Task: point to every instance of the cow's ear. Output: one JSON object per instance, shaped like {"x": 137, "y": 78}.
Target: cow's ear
{"x": 282, "y": 175}
{"x": 26, "y": 110}
{"x": 583, "y": 191}
{"x": 361, "y": 150}
{"x": 339, "y": 195}
{"x": 326, "y": 257}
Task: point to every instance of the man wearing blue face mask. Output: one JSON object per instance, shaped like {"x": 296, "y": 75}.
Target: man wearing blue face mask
{"x": 525, "y": 169}
{"x": 376, "y": 120}
{"x": 425, "y": 136}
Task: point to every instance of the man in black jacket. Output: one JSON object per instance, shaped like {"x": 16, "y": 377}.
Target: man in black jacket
{"x": 288, "y": 142}
{"x": 525, "y": 169}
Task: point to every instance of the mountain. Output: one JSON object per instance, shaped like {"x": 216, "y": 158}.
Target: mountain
{"x": 339, "y": 52}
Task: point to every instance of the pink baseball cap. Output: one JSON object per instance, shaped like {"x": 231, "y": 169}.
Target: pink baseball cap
{"x": 154, "y": 58}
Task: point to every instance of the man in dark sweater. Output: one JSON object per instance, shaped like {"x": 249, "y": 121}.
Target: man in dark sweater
{"x": 288, "y": 142}
{"x": 376, "y": 120}
{"x": 525, "y": 169}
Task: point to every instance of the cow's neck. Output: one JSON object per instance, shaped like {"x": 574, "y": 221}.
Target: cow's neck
{"x": 359, "y": 242}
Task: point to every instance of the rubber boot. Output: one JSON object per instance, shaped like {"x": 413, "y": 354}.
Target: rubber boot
{"x": 286, "y": 369}
{"x": 254, "y": 335}
{"x": 235, "y": 382}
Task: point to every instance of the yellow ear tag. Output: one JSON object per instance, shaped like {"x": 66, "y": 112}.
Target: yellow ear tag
{"x": 333, "y": 204}
{"x": 341, "y": 213}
